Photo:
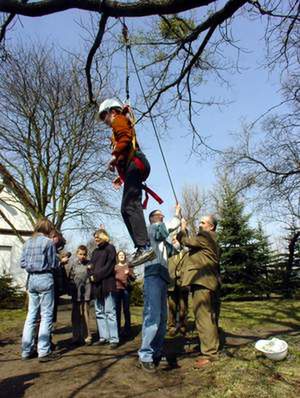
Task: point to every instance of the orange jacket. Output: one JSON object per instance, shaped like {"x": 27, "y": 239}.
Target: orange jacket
{"x": 123, "y": 139}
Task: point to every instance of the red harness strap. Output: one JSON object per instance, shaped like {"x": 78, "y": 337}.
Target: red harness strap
{"x": 140, "y": 165}
{"x": 154, "y": 195}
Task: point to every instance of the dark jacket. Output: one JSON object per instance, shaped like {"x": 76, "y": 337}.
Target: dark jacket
{"x": 103, "y": 270}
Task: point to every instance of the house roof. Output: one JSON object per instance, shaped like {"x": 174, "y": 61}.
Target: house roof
{"x": 7, "y": 231}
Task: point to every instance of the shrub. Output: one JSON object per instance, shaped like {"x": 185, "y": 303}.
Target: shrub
{"x": 136, "y": 295}
{"x": 11, "y": 295}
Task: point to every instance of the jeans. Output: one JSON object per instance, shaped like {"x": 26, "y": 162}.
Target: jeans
{"x": 154, "y": 318}
{"x": 41, "y": 302}
{"x": 106, "y": 318}
{"x": 123, "y": 300}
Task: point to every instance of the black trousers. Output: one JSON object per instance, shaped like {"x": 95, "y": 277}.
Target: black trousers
{"x": 131, "y": 207}
{"x": 123, "y": 300}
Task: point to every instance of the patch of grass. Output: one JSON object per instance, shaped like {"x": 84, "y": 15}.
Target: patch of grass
{"x": 275, "y": 313}
{"x": 11, "y": 319}
{"x": 241, "y": 371}
{"x": 136, "y": 315}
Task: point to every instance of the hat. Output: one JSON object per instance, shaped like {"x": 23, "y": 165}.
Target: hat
{"x": 108, "y": 104}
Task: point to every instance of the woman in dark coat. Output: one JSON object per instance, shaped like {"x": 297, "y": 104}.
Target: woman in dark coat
{"x": 102, "y": 273}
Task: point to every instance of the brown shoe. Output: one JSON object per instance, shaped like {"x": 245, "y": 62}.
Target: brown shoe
{"x": 172, "y": 331}
{"x": 201, "y": 363}
{"x": 182, "y": 330}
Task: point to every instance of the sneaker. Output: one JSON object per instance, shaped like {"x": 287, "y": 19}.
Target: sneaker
{"x": 113, "y": 346}
{"x": 53, "y": 356}
{"x": 142, "y": 255}
{"x": 148, "y": 367}
{"x": 101, "y": 342}
{"x": 30, "y": 356}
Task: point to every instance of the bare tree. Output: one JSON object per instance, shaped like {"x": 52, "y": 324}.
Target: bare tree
{"x": 184, "y": 48}
{"x": 52, "y": 157}
{"x": 270, "y": 160}
{"x": 193, "y": 203}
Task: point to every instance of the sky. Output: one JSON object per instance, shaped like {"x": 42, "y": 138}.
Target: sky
{"x": 251, "y": 93}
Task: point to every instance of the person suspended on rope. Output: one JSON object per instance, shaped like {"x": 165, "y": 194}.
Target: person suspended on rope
{"x": 133, "y": 168}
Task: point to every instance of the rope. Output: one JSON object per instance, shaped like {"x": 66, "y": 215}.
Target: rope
{"x": 128, "y": 49}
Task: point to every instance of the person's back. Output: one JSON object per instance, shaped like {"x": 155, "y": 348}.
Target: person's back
{"x": 39, "y": 259}
{"x": 201, "y": 265}
{"x": 38, "y": 254}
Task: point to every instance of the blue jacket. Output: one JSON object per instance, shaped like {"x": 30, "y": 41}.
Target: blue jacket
{"x": 39, "y": 254}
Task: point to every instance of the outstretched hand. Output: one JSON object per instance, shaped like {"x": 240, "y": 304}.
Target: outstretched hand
{"x": 178, "y": 210}
{"x": 183, "y": 224}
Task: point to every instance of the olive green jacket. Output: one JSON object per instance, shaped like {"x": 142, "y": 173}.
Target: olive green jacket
{"x": 201, "y": 264}
{"x": 175, "y": 264}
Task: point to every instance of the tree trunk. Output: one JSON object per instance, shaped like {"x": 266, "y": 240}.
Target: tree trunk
{"x": 288, "y": 291}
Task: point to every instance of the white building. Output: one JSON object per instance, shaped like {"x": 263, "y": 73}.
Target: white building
{"x": 15, "y": 226}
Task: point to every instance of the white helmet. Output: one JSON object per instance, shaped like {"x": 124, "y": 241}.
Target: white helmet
{"x": 107, "y": 104}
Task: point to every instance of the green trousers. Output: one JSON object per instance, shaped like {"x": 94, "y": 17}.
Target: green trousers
{"x": 178, "y": 300}
{"x": 206, "y": 307}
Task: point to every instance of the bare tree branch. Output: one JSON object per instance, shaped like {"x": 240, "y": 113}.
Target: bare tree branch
{"x": 92, "y": 52}
{"x": 110, "y": 7}
{"x": 5, "y": 25}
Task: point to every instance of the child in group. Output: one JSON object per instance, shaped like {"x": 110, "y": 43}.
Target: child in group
{"x": 102, "y": 274}
{"x": 80, "y": 290}
{"x": 39, "y": 259}
{"x": 124, "y": 275}
{"x": 133, "y": 168}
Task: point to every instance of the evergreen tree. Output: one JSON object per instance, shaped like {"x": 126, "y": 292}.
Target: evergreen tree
{"x": 262, "y": 259}
{"x": 244, "y": 252}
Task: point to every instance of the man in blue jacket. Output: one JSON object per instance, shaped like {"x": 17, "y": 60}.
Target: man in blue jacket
{"x": 156, "y": 281}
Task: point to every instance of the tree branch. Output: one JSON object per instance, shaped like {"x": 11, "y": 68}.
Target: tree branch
{"x": 110, "y": 7}
{"x": 92, "y": 52}
{"x": 5, "y": 25}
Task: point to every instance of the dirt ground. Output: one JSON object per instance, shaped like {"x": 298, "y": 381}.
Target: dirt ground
{"x": 98, "y": 371}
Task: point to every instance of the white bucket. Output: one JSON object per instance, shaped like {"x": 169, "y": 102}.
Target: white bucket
{"x": 274, "y": 349}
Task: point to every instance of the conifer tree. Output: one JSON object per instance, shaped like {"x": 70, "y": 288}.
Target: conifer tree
{"x": 243, "y": 249}
{"x": 262, "y": 259}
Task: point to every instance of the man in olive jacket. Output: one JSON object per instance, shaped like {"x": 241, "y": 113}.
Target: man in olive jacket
{"x": 201, "y": 271}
